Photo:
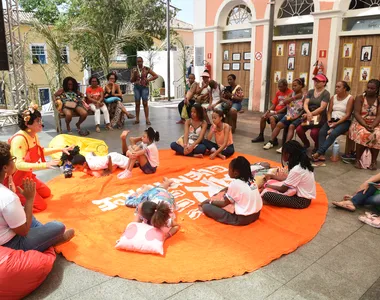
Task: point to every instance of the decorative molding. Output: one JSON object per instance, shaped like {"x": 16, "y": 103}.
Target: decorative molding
{"x": 327, "y": 14}
{"x": 233, "y": 41}
{"x": 259, "y": 22}
{"x": 293, "y": 37}
{"x": 207, "y": 29}
{"x": 359, "y": 32}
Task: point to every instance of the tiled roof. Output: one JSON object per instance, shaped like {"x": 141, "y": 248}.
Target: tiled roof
{"x": 26, "y": 17}
{"x": 178, "y": 24}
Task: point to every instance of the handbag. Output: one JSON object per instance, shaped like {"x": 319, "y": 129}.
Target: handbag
{"x": 314, "y": 121}
{"x": 71, "y": 104}
{"x": 180, "y": 141}
{"x": 184, "y": 114}
{"x": 86, "y": 105}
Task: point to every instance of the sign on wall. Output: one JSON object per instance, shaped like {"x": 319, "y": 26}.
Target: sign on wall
{"x": 199, "y": 56}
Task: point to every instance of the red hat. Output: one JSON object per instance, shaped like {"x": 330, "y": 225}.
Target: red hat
{"x": 321, "y": 77}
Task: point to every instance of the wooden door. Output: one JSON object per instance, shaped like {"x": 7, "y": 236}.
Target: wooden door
{"x": 290, "y": 60}
{"x": 352, "y": 62}
{"x": 237, "y": 56}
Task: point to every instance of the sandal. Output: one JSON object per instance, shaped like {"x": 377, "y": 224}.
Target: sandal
{"x": 131, "y": 116}
{"x": 148, "y": 123}
{"x": 344, "y": 205}
{"x": 314, "y": 158}
{"x": 371, "y": 220}
{"x": 84, "y": 132}
{"x": 358, "y": 165}
{"x": 97, "y": 129}
{"x": 136, "y": 122}
{"x": 373, "y": 167}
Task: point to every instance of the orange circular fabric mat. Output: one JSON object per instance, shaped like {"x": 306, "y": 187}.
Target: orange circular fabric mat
{"x": 202, "y": 250}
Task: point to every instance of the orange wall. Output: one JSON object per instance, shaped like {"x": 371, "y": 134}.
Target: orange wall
{"x": 212, "y": 7}
{"x": 187, "y": 37}
{"x": 258, "y": 66}
{"x": 324, "y": 40}
{"x": 260, "y": 7}
{"x": 210, "y": 49}
{"x": 326, "y": 5}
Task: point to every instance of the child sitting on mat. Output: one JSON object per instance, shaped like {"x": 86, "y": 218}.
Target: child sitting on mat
{"x": 157, "y": 208}
{"x": 241, "y": 192}
{"x": 146, "y": 154}
{"x": 224, "y": 147}
{"x": 300, "y": 178}
{"x": 92, "y": 164}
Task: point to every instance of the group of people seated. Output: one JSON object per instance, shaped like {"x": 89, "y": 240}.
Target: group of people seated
{"x": 212, "y": 96}
{"x": 326, "y": 117}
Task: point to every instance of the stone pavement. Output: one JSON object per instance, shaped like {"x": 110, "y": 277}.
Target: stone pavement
{"x": 341, "y": 262}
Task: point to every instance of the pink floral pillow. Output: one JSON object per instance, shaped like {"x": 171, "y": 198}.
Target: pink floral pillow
{"x": 290, "y": 192}
{"x": 140, "y": 237}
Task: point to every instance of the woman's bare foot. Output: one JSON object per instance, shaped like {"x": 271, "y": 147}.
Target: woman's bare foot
{"x": 97, "y": 129}
{"x": 67, "y": 236}
{"x": 78, "y": 126}
{"x": 222, "y": 156}
{"x": 373, "y": 166}
{"x": 198, "y": 155}
{"x": 69, "y": 131}
{"x": 109, "y": 127}
{"x": 347, "y": 205}
{"x": 166, "y": 183}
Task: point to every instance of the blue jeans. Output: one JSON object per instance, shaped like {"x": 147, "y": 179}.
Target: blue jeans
{"x": 368, "y": 198}
{"x": 200, "y": 149}
{"x": 141, "y": 92}
{"x": 40, "y": 237}
{"x": 237, "y": 106}
{"x": 324, "y": 143}
{"x": 226, "y": 152}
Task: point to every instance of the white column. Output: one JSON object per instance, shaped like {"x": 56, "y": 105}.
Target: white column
{"x": 333, "y": 54}
{"x": 217, "y": 59}
{"x": 199, "y": 33}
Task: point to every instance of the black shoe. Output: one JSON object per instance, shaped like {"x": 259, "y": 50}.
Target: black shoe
{"x": 259, "y": 139}
{"x": 275, "y": 142}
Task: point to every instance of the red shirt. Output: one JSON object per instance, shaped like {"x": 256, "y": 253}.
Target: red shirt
{"x": 278, "y": 100}
{"x": 95, "y": 93}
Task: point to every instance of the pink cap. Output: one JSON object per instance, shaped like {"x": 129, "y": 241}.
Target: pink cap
{"x": 321, "y": 77}
{"x": 205, "y": 74}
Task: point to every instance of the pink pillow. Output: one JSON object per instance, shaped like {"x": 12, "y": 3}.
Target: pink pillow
{"x": 290, "y": 192}
{"x": 141, "y": 237}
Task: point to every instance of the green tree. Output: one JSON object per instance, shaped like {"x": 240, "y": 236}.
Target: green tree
{"x": 46, "y": 11}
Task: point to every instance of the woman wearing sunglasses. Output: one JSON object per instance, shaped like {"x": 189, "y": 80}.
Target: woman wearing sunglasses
{"x": 30, "y": 156}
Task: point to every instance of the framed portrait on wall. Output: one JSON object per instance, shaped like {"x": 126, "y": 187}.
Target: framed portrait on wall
{"x": 347, "y": 74}
{"x": 365, "y": 74}
{"x": 290, "y": 77}
{"x": 247, "y": 55}
{"x": 292, "y": 49}
{"x": 236, "y": 56}
{"x": 226, "y": 67}
{"x": 225, "y": 55}
{"x": 305, "y": 49}
{"x": 366, "y": 53}
{"x": 279, "y": 49}
{"x": 291, "y": 63}
{"x": 236, "y": 66}
{"x": 247, "y": 66}
{"x": 277, "y": 76}
{"x": 347, "y": 50}
{"x": 304, "y": 75}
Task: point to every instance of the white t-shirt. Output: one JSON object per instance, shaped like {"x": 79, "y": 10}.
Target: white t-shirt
{"x": 12, "y": 214}
{"x": 303, "y": 181}
{"x": 215, "y": 93}
{"x": 246, "y": 198}
{"x": 97, "y": 163}
{"x": 151, "y": 153}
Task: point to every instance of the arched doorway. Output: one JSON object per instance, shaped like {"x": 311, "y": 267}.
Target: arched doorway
{"x": 359, "y": 46}
{"x": 292, "y": 42}
{"x": 236, "y": 44}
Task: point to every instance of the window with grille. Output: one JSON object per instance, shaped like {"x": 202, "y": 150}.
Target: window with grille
{"x": 38, "y": 53}
{"x": 359, "y": 4}
{"x": 44, "y": 96}
{"x": 240, "y": 14}
{"x": 65, "y": 55}
{"x": 295, "y": 8}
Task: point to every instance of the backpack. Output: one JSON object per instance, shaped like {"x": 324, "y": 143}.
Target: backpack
{"x": 366, "y": 159}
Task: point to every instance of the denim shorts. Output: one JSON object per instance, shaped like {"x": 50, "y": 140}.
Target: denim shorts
{"x": 148, "y": 169}
{"x": 277, "y": 117}
{"x": 287, "y": 122}
{"x": 141, "y": 92}
{"x": 237, "y": 106}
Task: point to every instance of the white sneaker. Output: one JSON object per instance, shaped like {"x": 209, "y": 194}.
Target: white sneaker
{"x": 268, "y": 146}
{"x": 279, "y": 150}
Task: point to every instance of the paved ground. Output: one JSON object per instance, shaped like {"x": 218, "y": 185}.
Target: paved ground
{"x": 342, "y": 262}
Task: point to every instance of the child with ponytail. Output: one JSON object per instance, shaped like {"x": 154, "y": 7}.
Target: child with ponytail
{"x": 146, "y": 154}
{"x": 300, "y": 178}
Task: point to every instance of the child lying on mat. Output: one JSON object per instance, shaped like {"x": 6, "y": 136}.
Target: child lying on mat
{"x": 100, "y": 165}
{"x": 156, "y": 207}
{"x": 146, "y": 154}
{"x": 241, "y": 192}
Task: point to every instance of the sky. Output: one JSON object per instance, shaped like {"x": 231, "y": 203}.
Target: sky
{"x": 187, "y": 10}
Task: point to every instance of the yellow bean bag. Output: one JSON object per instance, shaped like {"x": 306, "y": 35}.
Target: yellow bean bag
{"x": 86, "y": 145}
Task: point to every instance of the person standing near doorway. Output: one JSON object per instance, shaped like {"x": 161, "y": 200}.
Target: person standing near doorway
{"x": 141, "y": 88}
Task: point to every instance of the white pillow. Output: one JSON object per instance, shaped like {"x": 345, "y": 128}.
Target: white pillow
{"x": 141, "y": 237}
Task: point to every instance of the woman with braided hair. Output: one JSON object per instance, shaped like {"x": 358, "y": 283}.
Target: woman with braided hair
{"x": 300, "y": 178}
{"x": 30, "y": 156}
{"x": 365, "y": 129}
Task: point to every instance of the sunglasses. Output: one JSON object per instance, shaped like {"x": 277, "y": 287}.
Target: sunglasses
{"x": 13, "y": 158}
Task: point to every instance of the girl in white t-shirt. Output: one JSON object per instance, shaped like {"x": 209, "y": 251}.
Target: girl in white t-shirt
{"x": 146, "y": 154}
{"x": 242, "y": 193}
{"x": 300, "y": 178}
